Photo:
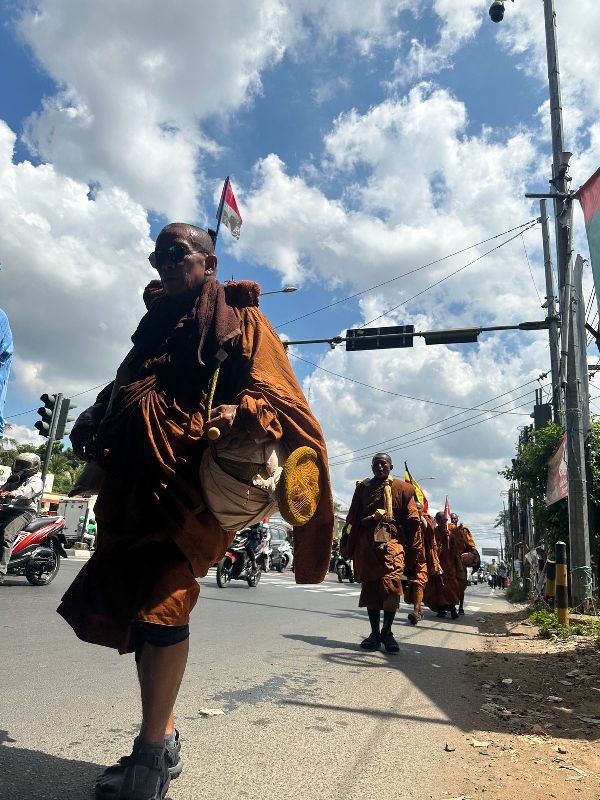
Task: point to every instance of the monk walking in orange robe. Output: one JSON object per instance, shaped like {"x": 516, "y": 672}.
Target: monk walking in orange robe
{"x": 470, "y": 557}
{"x": 203, "y": 357}
{"x": 382, "y": 518}
{"x": 443, "y": 587}
{"x": 426, "y": 562}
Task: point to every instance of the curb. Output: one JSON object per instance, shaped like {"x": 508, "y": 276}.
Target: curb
{"x": 82, "y": 555}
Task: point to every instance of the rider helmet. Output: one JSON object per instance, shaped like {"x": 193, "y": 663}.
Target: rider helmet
{"x": 26, "y": 464}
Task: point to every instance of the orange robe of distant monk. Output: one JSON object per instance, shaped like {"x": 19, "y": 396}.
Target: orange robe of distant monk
{"x": 465, "y": 544}
{"x": 444, "y": 590}
{"x": 379, "y": 565}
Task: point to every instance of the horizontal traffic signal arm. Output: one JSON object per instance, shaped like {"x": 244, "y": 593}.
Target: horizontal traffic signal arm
{"x": 403, "y": 335}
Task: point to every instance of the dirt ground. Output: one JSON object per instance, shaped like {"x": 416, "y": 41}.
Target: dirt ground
{"x": 535, "y": 716}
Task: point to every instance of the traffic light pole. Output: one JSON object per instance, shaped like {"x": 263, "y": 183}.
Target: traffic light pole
{"x": 52, "y": 436}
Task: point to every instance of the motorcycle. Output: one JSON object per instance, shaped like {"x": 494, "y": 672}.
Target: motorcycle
{"x": 282, "y": 556}
{"x": 236, "y": 566}
{"x": 38, "y": 549}
{"x": 344, "y": 570}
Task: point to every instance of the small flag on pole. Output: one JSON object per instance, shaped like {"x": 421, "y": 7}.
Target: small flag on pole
{"x": 589, "y": 197}
{"x": 447, "y": 508}
{"x": 228, "y": 212}
{"x": 420, "y": 495}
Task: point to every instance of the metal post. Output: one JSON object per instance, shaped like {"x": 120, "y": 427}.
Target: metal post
{"x": 579, "y": 534}
{"x": 557, "y": 406}
{"x": 559, "y": 171}
{"x": 562, "y": 591}
{"x": 52, "y": 435}
{"x": 550, "y": 582}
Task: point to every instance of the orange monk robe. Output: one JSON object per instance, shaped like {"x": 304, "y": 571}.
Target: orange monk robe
{"x": 432, "y": 550}
{"x": 465, "y": 543}
{"x": 415, "y": 566}
{"x": 156, "y": 534}
{"x": 443, "y": 591}
{"x": 379, "y": 565}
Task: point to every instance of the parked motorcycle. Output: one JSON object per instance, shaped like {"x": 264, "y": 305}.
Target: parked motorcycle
{"x": 344, "y": 570}
{"x": 236, "y": 566}
{"x": 38, "y": 549}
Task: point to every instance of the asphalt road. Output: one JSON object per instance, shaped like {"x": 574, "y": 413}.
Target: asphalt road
{"x": 307, "y": 714}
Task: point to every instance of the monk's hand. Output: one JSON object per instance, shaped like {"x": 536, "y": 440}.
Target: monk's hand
{"x": 223, "y": 417}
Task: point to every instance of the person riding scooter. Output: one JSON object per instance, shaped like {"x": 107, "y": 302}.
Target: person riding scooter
{"x": 20, "y": 496}
{"x": 256, "y": 533}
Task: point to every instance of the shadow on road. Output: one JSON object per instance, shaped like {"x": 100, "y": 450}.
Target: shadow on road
{"x": 28, "y": 774}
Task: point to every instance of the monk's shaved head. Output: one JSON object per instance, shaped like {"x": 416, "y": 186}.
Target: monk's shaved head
{"x": 384, "y": 456}
{"x": 197, "y": 236}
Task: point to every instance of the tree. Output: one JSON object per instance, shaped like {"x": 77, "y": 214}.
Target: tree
{"x": 530, "y": 470}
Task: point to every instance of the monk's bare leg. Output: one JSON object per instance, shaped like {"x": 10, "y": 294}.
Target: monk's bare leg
{"x": 415, "y": 615}
{"x": 161, "y": 672}
{"x": 170, "y": 729}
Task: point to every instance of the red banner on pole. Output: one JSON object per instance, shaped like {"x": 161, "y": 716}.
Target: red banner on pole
{"x": 558, "y": 479}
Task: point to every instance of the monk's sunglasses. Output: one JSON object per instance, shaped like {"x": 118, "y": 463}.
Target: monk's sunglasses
{"x": 173, "y": 255}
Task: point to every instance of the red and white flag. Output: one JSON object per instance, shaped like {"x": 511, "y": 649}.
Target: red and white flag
{"x": 230, "y": 215}
{"x": 447, "y": 508}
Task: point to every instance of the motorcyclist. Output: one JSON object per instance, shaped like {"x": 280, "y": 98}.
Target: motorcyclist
{"x": 20, "y": 495}
{"x": 256, "y": 533}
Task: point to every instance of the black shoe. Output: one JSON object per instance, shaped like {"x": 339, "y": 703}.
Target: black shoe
{"x": 441, "y": 614}
{"x": 390, "y": 644}
{"x": 372, "y": 642}
{"x": 461, "y": 611}
{"x": 413, "y": 617}
{"x": 108, "y": 784}
{"x": 146, "y": 775}
{"x": 454, "y": 612}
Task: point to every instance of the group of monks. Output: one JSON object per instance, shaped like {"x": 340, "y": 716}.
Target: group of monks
{"x": 398, "y": 549}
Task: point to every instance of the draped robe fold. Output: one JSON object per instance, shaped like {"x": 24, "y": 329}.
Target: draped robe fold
{"x": 379, "y": 566}
{"x": 465, "y": 543}
{"x": 155, "y": 533}
{"x": 444, "y": 592}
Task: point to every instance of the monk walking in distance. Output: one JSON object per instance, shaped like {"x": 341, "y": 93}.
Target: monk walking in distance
{"x": 206, "y": 399}
{"x": 382, "y": 516}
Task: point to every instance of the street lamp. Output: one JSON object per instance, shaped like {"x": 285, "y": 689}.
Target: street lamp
{"x": 285, "y": 290}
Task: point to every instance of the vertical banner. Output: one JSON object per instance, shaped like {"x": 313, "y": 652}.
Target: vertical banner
{"x": 6, "y": 354}
{"x": 558, "y": 480}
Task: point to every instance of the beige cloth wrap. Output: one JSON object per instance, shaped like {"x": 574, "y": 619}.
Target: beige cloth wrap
{"x": 235, "y": 503}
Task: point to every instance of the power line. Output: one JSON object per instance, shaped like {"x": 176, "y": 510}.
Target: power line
{"x": 530, "y": 270}
{"x": 78, "y": 394}
{"x": 450, "y": 275}
{"x": 395, "y": 394}
{"x": 530, "y": 223}
{"x": 420, "y": 439}
{"x": 423, "y": 439}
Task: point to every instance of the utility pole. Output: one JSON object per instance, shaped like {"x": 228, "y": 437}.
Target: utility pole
{"x": 557, "y": 405}
{"x": 579, "y": 533}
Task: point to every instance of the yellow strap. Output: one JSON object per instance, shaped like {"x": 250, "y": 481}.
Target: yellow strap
{"x": 211, "y": 392}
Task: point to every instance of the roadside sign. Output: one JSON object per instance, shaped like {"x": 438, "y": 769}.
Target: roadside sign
{"x": 489, "y": 551}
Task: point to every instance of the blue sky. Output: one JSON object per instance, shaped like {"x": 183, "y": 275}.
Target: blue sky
{"x": 358, "y": 150}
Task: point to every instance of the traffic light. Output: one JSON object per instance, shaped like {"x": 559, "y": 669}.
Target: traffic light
{"x": 63, "y": 418}
{"x": 379, "y": 338}
{"x": 46, "y": 413}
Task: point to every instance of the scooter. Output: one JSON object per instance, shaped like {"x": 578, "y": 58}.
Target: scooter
{"x": 38, "y": 549}
{"x": 344, "y": 570}
{"x": 236, "y": 566}
{"x": 282, "y": 556}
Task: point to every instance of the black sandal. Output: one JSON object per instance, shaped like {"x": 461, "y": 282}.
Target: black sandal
{"x": 372, "y": 642}
{"x": 144, "y": 775}
{"x": 108, "y": 784}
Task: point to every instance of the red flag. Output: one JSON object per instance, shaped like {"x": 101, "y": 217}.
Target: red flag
{"x": 589, "y": 197}
{"x": 447, "y": 508}
{"x": 230, "y": 215}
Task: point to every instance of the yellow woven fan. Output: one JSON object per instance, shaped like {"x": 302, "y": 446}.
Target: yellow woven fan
{"x": 298, "y": 492}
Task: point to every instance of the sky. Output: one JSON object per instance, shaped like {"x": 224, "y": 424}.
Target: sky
{"x": 377, "y": 160}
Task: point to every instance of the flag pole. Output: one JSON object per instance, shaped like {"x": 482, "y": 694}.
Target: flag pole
{"x": 220, "y": 210}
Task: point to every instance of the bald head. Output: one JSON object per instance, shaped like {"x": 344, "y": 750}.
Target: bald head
{"x": 196, "y": 236}
{"x": 381, "y": 465}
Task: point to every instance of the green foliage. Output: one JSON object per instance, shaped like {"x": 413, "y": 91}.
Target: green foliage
{"x": 516, "y": 592}
{"x": 530, "y": 471}
{"x": 64, "y": 465}
{"x": 548, "y": 623}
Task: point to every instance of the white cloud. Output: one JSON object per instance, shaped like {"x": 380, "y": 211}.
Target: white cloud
{"x": 21, "y": 434}
{"x": 73, "y": 270}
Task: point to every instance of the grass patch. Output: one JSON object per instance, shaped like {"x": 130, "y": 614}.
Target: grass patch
{"x": 548, "y": 623}
{"x": 516, "y": 593}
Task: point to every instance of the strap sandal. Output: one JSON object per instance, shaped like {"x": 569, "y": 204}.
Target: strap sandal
{"x": 108, "y": 784}
{"x": 146, "y": 775}
{"x": 390, "y": 644}
{"x": 413, "y": 617}
{"x": 372, "y": 642}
